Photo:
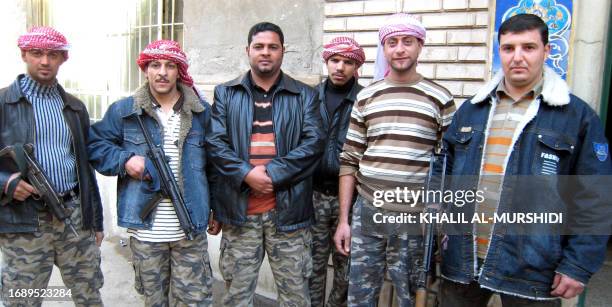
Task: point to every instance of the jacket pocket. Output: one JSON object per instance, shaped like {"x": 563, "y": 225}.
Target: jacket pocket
{"x": 307, "y": 253}
{"x": 551, "y": 155}
{"x": 539, "y": 256}
{"x": 134, "y": 141}
{"x": 138, "y": 286}
{"x": 227, "y": 263}
{"x": 461, "y": 143}
{"x": 194, "y": 150}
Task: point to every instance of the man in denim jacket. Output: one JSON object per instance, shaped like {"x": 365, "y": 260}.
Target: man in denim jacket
{"x": 518, "y": 136}
{"x": 166, "y": 264}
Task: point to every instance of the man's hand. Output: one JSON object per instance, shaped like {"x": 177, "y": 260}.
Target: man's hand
{"x": 214, "y": 226}
{"x": 566, "y": 287}
{"x": 23, "y": 189}
{"x": 135, "y": 167}
{"x": 259, "y": 180}
{"x": 342, "y": 238}
{"x": 99, "y": 238}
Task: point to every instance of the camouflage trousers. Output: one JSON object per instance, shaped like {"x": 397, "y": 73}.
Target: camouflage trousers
{"x": 28, "y": 259}
{"x": 326, "y": 215}
{"x": 242, "y": 252}
{"x": 373, "y": 250}
{"x": 173, "y": 273}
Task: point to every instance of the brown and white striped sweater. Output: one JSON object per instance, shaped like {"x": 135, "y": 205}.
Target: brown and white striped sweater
{"x": 393, "y": 129}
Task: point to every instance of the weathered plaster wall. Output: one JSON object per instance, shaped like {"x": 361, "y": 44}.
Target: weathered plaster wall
{"x": 216, "y": 37}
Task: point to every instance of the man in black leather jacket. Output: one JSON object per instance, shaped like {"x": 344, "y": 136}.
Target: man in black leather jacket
{"x": 265, "y": 141}
{"x": 35, "y": 109}
{"x": 343, "y": 56}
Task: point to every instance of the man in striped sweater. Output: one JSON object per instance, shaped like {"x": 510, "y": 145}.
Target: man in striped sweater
{"x": 394, "y": 126}
{"x": 36, "y": 110}
{"x": 170, "y": 269}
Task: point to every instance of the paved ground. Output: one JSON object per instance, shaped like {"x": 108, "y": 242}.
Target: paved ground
{"x": 599, "y": 289}
{"x": 118, "y": 289}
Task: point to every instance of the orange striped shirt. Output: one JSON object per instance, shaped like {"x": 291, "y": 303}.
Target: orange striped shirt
{"x": 263, "y": 147}
{"x": 506, "y": 118}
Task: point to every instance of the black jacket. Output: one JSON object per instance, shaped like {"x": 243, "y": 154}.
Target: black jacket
{"x": 335, "y": 127}
{"x": 299, "y": 144}
{"x": 17, "y": 126}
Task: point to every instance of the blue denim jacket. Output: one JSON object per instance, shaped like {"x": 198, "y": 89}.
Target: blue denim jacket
{"x": 117, "y": 137}
{"x": 563, "y": 125}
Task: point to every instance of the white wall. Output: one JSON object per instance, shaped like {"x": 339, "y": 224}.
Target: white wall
{"x": 13, "y": 18}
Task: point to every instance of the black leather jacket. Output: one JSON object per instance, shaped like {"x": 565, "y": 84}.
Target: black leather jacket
{"x": 299, "y": 144}
{"x": 17, "y": 126}
{"x": 335, "y": 127}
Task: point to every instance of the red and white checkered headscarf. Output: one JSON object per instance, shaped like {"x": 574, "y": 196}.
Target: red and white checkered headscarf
{"x": 166, "y": 50}
{"x": 395, "y": 25}
{"x": 346, "y": 47}
{"x": 401, "y": 24}
{"x": 45, "y": 38}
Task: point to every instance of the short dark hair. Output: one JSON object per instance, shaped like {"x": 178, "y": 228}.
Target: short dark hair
{"x": 524, "y": 22}
{"x": 263, "y": 27}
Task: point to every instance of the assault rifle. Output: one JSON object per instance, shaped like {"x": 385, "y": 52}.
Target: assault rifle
{"x": 434, "y": 181}
{"x": 169, "y": 187}
{"x": 23, "y": 155}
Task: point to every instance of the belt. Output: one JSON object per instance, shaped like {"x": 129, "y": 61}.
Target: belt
{"x": 70, "y": 196}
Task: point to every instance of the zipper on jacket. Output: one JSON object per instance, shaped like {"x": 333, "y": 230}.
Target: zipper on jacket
{"x": 250, "y": 127}
{"x": 273, "y": 124}
{"x": 76, "y": 166}
{"x": 33, "y": 135}
{"x": 276, "y": 219}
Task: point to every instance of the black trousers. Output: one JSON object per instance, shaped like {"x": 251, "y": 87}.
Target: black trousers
{"x": 454, "y": 294}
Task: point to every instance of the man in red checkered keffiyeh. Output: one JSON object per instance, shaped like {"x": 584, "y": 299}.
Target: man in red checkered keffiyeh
{"x": 176, "y": 117}
{"x": 43, "y": 50}
{"x": 343, "y": 56}
{"x": 166, "y": 50}
{"x": 37, "y": 110}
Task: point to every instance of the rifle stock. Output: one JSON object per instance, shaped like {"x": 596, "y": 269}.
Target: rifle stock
{"x": 421, "y": 298}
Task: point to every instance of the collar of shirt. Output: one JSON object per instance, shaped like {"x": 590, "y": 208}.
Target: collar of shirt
{"x": 343, "y": 89}
{"x": 255, "y": 87}
{"x": 502, "y": 92}
{"x": 176, "y": 107}
{"x": 31, "y": 87}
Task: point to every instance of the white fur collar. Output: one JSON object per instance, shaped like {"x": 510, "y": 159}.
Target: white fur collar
{"x": 554, "y": 89}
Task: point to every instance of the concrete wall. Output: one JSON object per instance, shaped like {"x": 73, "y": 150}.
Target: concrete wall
{"x": 588, "y": 58}
{"x": 215, "y": 41}
{"x": 13, "y": 16}
{"x": 216, "y": 37}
